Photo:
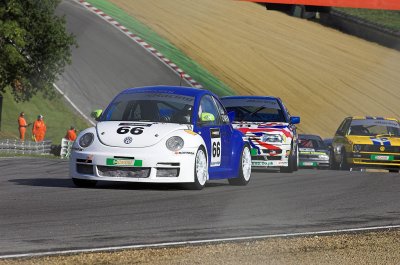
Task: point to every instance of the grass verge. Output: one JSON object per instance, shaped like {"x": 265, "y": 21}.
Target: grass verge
{"x": 389, "y": 19}
{"x": 58, "y": 117}
{"x": 195, "y": 70}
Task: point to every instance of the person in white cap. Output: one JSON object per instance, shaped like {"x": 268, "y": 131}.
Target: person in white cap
{"x": 39, "y": 129}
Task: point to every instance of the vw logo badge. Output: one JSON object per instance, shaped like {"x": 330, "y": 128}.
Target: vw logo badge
{"x": 382, "y": 148}
{"x": 128, "y": 140}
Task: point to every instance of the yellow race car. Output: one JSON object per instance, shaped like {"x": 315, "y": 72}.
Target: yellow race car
{"x": 372, "y": 142}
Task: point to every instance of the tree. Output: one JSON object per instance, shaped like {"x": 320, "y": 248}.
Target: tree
{"x": 34, "y": 47}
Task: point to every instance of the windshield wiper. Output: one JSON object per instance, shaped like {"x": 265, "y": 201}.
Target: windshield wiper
{"x": 252, "y": 113}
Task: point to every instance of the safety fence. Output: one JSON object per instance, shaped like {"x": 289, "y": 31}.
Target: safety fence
{"x": 66, "y": 146}
{"x": 13, "y": 146}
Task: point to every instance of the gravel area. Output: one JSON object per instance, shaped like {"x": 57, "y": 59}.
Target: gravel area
{"x": 368, "y": 248}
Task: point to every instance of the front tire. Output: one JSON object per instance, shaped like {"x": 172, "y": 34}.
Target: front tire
{"x": 244, "y": 168}
{"x": 84, "y": 183}
{"x": 200, "y": 170}
{"x": 343, "y": 165}
{"x": 292, "y": 163}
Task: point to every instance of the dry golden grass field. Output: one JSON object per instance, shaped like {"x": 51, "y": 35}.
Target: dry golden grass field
{"x": 322, "y": 74}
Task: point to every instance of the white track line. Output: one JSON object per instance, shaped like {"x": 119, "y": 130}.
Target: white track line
{"x": 72, "y": 104}
{"x": 199, "y": 242}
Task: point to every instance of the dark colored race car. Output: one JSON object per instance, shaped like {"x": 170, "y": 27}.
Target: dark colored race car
{"x": 313, "y": 152}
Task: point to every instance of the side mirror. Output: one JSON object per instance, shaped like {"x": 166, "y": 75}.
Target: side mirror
{"x": 207, "y": 117}
{"x": 231, "y": 116}
{"x": 96, "y": 114}
{"x": 294, "y": 120}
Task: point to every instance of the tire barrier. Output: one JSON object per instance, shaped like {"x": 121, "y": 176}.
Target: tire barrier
{"x": 14, "y": 146}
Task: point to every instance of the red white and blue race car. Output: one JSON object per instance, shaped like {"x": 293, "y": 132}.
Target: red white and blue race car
{"x": 161, "y": 134}
{"x": 269, "y": 128}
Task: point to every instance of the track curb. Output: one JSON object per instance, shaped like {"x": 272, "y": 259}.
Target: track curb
{"x": 134, "y": 37}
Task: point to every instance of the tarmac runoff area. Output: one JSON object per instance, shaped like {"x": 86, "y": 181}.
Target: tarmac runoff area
{"x": 356, "y": 248}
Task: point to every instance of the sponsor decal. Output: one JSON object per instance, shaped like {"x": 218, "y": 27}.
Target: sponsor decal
{"x": 190, "y": 132}
{"x": 133, "y": 130}
{"x": 262, "y": 163}
{"x": 382, "y": 157}
{"x": 135, "y": 124}
{"x": 123, "y": 162}
{"x": 184, "y": 153}
{"x": 308, "y": 164}
{"x": 216, "y": 147}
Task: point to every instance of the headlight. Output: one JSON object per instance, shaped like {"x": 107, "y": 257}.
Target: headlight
{"x": 175, "y": 143}
{"x": 323, "y": 157}
{"x": 272, "y": 138}
{"x": 357, "y": 148}
{"x": 86, "y": 140}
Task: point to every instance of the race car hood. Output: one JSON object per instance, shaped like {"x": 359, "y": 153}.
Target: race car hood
{"x": 257, "y": 129}
{"x": 373, "y": 140}
{"x": 134, "y": 134}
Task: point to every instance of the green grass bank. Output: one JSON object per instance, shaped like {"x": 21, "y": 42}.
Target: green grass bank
{"x": 58, "y": 116}
{"x": 195, "y": 70}
{"x": 389, "y": 19}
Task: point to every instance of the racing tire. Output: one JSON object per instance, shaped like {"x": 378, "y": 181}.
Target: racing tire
{"x": 244, "y": 169}
{"x": 84, "y": 183}
{"x": 343, "y": 165}
{"x": 200, "y": 170}
{"x": 291, "y": 163}
{"x": 332, "y": 162}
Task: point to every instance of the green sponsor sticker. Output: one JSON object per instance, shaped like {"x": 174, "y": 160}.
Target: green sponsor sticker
{"x": 308, "y": 164}
{"x": 123, "y": 162}
{"x": 254, "y": 152}
{"x": 382, "y": 157}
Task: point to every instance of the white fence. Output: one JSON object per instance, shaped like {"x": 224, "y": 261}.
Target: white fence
{"x": 13, "y": 146}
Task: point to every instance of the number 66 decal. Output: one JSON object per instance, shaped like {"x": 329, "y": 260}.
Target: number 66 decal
{"x": 133, "y": 130}
{"x": 215, "y": 147}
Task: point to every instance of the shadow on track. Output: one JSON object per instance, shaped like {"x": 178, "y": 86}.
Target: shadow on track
{"x": 67, "y": 183}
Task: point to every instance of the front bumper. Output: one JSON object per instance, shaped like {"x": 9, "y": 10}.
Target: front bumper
{"x": 313, "y": 162}
{"x": 134, "y": 165}
{"x": 375, "y": 160}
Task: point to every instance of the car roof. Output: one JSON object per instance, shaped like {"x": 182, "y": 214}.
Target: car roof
{"x": 372, "y": 118}
{"x": 248, "y": 97}
{"x": 187, "y": 91}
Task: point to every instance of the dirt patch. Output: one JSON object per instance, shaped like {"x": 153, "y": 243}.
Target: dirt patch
{"x": 370, "y": 248}
{"x": 321, "y": 74}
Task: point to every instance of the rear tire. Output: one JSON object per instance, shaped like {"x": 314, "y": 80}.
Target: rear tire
{"x": 244, "y": 168}
{"x": 84, "y": 183}
{"x": 200, "y": 170}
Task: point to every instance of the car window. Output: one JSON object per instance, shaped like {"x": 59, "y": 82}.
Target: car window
{"x": 207, "y": 105}
{"x": 153, "y": 107}
{"x": 255, "y": 110}
{"x": 222, "y": 112}
{"x": 373, "y": 127}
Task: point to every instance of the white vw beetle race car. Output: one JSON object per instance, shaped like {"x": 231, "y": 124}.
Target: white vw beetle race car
{"x": 161, "y": 134}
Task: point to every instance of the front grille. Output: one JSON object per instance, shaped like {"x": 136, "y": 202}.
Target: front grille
{"x": 84, "y": 169}
{"x": 376, "y": 148}
{"x": 167, "y": 172}
{"x": 124, "y": 172}
{"x": 276, "y": 151}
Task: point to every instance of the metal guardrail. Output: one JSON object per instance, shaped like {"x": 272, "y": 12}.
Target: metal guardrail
{"x": 13, "y": 146}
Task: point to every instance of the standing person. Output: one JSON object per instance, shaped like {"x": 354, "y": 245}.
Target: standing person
{"x": 22, "y": 125}
{"x": 39, "y": 129}
{"x": 71, "y": 134}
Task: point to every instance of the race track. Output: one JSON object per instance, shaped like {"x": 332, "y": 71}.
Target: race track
{"x": 105, "y": 62}
{"x": 41, "y": 210}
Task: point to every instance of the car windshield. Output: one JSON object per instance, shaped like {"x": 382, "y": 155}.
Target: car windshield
{"x": 313, "y": 143}
{"x": 374, "y": 127}
{"x": 151, "y": 107}
{"x": 255, "y": 110}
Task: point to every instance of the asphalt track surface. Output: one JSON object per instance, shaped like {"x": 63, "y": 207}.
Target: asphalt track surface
{"x": 105, "y": 62}
{"x": 41, "y": 210}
